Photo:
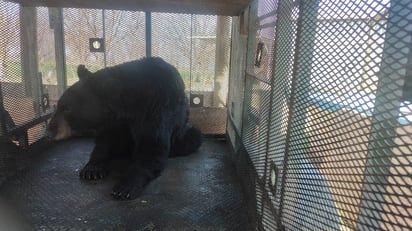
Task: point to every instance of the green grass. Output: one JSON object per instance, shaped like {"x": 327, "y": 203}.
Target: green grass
{"x": 12, "y": 71}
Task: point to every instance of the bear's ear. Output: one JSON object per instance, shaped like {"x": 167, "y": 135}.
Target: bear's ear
{"x": 82, "y": 72}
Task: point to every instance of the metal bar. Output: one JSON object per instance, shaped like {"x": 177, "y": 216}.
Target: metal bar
{"x": 267, "y": 15}
{"x": 3, "y": 129}
{"x": 148, "y": 33}
{"x": 237, "y": 71}
{"x": 251, "y": 179}
{"x": 275, "y": 110}
{"x": 267, "y": 25}
{"x": 104, "y": 37}
{"x": 28, "y": 17}
{"x": 385, "y": 114}
{"x": 56, "y": 14}
{"x": 251, "y": 44}
{"x": 252, "y": 76}
{"x": 247, "y": 16}
{"x": 215, "y": 136}
{"x": 18, "y": 130}
{"x": 191, "y": 54}
{"x": 305, "y": 38}
{"x": 222, "y": 54}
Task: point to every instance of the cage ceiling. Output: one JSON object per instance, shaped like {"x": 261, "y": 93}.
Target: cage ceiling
{"x": 215, "y": 7}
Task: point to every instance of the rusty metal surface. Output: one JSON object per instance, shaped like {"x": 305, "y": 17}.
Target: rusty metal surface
{"x": 198, "y": 192}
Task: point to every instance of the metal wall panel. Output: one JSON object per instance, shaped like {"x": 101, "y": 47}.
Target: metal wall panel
{"x": 327, "y": 114}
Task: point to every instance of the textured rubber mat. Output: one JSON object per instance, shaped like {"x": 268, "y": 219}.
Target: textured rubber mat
{"x": 197, "y": 192}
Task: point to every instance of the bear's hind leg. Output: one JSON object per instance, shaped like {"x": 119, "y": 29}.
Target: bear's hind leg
{"x": 148, "y": 162}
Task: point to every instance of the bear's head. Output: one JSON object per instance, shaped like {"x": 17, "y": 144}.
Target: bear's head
{"x": 79, "y": 109}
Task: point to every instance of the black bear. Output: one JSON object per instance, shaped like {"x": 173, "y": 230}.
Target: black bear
{"x": 139, "y": 108}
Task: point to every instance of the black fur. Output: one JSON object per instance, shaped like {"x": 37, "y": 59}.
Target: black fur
{"x": 138, "y": 109}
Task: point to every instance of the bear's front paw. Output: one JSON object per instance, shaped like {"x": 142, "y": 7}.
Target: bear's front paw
{"x": 93, "y": 172}
{"x": 128, "y": 189}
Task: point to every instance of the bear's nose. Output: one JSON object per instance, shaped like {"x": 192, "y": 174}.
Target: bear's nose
{"x": 51, "y": 131}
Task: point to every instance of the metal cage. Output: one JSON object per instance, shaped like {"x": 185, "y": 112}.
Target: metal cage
{"x": 314, "y": 96}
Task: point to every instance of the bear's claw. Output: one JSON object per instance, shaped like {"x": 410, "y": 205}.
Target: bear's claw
{"x": 127, "y": 190}
{"x": 93, "y": 172}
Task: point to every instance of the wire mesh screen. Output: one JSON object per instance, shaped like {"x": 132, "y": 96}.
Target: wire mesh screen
{"x": 12, "y": 88}
{"x": 121, "y": 32}
{"x": 34, "y": 75}
{"x": 80, "y": 25}
{"x": 23, "y": 97}
{"x": 12, "y": 92}
{"x": 188, "y": 42}
{"x": 285, "y": 26}
{"x": 46, "y": 50}
{"x": 124, "y": 36}
{"x": 327, "y": 114}
{"x": 100, "y": 38}
{"x": 171, "y": 40}
{"x": 198, "y": 46}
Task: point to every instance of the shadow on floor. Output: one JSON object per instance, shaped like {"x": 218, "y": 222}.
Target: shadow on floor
{"x": 197, "y": 192}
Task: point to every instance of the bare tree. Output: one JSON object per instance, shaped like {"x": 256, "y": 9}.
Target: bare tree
{"x": 45, "y": 36}
{"x": 180, "y": 37}
{"x": 79, "y": 26}
{"x": 124, "y": 36}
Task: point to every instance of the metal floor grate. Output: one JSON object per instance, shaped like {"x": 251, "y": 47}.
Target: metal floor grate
{"x": 198, "y": 192}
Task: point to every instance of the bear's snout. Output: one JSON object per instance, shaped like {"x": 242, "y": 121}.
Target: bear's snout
{"x": 58, "y": 128}
{"x": 51, "y": 130}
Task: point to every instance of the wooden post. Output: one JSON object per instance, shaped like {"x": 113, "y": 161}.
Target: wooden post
{"x": 221, "y": 61}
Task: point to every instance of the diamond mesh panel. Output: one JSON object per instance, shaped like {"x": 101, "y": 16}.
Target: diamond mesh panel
{"x": 257, "y": 103}
{"x": 286, "y": 29}
{"x": 256, "y": 122}
{"x": 334, "y": 149}
{"x": 329, "y": 131}
{"x": 388, "y": 166}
